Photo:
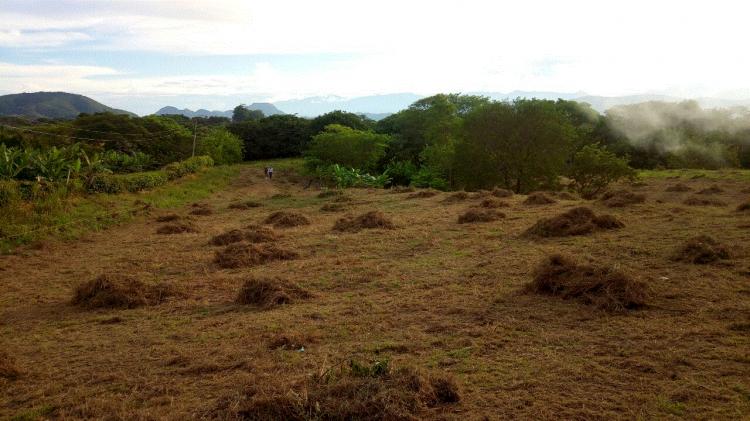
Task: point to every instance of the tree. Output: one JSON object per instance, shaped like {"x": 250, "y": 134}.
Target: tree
{"x": 361, "y": 150}
{"x": 222, "y": 146}
{"x": 242, "y": 113}
{"x": 343, "y": 118}
{"x": 594, "y": 168}
{"x": 277, "y": 136}
{"x": 522, "y": 145}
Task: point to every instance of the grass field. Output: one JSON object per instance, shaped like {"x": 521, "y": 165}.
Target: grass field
{"x": 430, "y": 296}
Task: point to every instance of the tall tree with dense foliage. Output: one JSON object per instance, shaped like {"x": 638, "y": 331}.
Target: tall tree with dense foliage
{"x": 523, "y": 146}
{"x": 222, "y": 146}
{"x": 277, "y": 136}
{"x": 241, "y": 114}
{"x": 343, "y": 118}
{"x": 358, "y": 149}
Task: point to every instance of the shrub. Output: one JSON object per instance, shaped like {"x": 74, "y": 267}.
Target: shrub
{"x": 188, "y": 166}
{"x": 347, "y": 147}
{"x": 427, "y": 178}
{"x": 401, "y": 172}
{"x": 594, "y": 168}
{"x": 142, "y": 181}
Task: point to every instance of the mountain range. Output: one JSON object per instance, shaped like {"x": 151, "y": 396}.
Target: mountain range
{"x": 267, "y": 108}
{"x": 53, "y": 105}
{"x": 62, "y": 105}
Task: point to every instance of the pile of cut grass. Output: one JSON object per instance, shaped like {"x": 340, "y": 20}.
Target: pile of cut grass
{"x": 270, "y": 292}
{"x": 119, "y": 291}
{"x": 177, "y": 228}
{"x": 251, "y": 235}
{"x": 402, "y": 189}
{"x": 201, "y": 209}
{"x": 600, "y": 286}
{"x": 247, "y": 204}
{"x": 330, "y": 193}
{"x": 480, "y": 215}
{"x": 369, "y": 220}
{"x": 247, "y": 255}
{"x": 577, "y": 221}
{"x": 8, "y": 368}
{"x": 357, "y": 392}
{"x": 701, "y": 250}
{"x": 170, "y": 217}
{"x": 744, "y": 206}
{"x": 286, "y": 219}
{"x": 456, "y": 197}
{"x": 621, "y": 198}
{"x": 502, "y": 193}
{"x": 333, "y": 207}
{"x": 422, "y": 194}
{"x": 492, "y": 203}
{"x": 538, "y": 198}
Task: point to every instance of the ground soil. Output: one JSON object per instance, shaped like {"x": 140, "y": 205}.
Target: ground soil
{"x": 433, "y": 295}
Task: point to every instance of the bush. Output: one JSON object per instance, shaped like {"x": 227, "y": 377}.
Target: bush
{"x": 594, "y": 168}
{"x": 347, "y": 147}
{"x": 427, "y": 178}
{"x": 142, "y": 181}
{"x": 9, "y": 192}
{"x": 188, "y": 166}
{"x": 222, "y": 146}
{"x": 401, "y": 172}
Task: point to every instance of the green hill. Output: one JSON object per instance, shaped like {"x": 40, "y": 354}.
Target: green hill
{"x": 53, "y": 105}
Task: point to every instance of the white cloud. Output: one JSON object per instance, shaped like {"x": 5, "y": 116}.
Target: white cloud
{"x": 420, "y": 46}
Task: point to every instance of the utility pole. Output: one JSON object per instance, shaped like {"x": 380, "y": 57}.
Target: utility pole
{"x": 195, "y": 134}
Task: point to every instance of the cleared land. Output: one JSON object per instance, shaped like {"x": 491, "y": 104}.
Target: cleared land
{"x": 420, "y": 290}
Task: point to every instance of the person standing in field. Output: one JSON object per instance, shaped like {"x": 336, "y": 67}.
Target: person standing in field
{"x": 265, "y": 172}
{"x": 270, "y": 173}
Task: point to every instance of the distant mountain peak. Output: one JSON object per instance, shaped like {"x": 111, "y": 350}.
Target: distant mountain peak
{"x": 52, "y": 105}
{"x": 267, "y": 108}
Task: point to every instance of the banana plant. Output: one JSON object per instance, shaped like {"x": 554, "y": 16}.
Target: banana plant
{"x": 13, "y": 161}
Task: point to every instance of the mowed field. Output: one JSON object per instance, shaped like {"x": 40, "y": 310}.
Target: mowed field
{"x": 437, "y": 298}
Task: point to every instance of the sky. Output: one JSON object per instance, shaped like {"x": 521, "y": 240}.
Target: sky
{"x": 141, "y": 55}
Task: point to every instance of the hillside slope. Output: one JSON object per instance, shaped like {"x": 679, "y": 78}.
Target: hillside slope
{"x": 54, "y": 105}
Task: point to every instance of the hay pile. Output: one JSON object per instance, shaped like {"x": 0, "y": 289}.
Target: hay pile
{"x": 621, "y": 198}
{"x": 8, "y": 368}
{"x": 119, "y": 291}
{"x": 270, "y": 292}
{"x": 284, "y": 219}
{"x": 252, "y": 235}
{"x": 502, "y": 193}
{"x": 248, "y": 204}
{"x": 712, "y": 190}
{"x": 480, "y": 215}
{"x": 330, "y": 193}
{"x": 402, "y": 189}
{"x": 202, "y": 211}
{"x": 744, "y": 206}
{"x": 422, "y": 194}
{"x": 246, "y": 255}
{"x": 701, "y": 250}
{"x": 699, "y": 201}
{"x": 456, "y": 197}
{"x": 600, "y": 286}
{"x": 170, "y": 217}
{"x": 538, "y": 198}
{"x": 678, "y": 188}
{"x": 577, "y": 221}
{"x": 492, "y": 203}
{"x": 178, "y": 228}
{"x": 357, "y": 392}
{"x": 369, "y": 220}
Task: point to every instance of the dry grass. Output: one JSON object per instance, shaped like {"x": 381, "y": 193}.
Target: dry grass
{"x": 744, "y": 206}
{"x": 359, "y": 392}
{"x": 577, "y": 221}
{"x": 538, "y": 198}
{"x": 472, "y": 216}
{"x": 714, "y": 189}
{"x": 8, "y": 367}
{"x": 252, "y": 235}
{"x": 202, "y": 211}
{"x": 285, "y": 219}
{"x": 492, "y": 203}
{"x": 601, "y": 286}
{"x": 502, "y": 193}
{"x": 700, "y": 250}
{"x": 457, "y": 197}
{"x": 699, "y": 201}
{"x": 678, "y": 188}
{"x": 402, "y": 189}
{"x": 248, "y": 255}
{"x": 422, "y": 194}
{"x": 621, "y": 198}
{"x": 333, "y": 207}
{"x": 170, "y": 217}
{"x": 369, "y": 220}
{"x": 177, "y": 228}
{"x": 119, "y": 291}
{"x": 330, "y": 193}
{"x": 270, "y": 292}
{"x": 245, "y": 205}
{"x": 432, "y": 295}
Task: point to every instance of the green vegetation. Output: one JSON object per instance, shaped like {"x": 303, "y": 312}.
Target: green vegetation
{"x": 348, "y": 147}
{"x": 594, "y": 168}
